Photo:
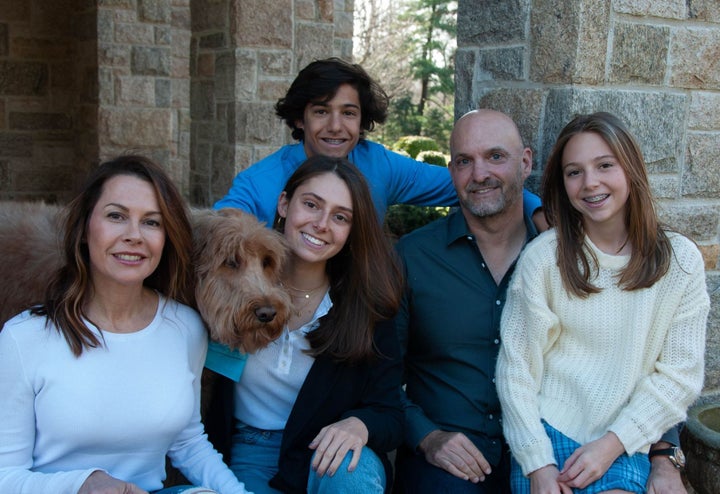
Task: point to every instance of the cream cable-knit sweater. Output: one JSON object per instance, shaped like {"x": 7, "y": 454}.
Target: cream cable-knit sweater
{"x": 630, "y": 362}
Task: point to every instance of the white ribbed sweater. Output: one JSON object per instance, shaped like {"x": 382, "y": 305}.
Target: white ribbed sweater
{"x": 630, "y": 362}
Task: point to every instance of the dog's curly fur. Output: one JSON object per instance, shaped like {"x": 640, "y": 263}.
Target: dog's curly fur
{"x": 237, "y": 262}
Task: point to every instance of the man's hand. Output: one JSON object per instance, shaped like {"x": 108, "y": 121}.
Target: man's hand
{"x": 664, "y": 477}
{"x": 456, "y": 454}
{"x": 101, "y": 483}
{"x": 545, "y": 481}
{"x": 590, "y": 461}
{"x": 334, "y": 441}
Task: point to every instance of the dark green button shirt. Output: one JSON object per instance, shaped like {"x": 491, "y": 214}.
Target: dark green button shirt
{"x": 449, "y": 328}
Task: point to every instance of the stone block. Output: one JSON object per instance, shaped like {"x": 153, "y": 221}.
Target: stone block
{"x": 134, "y": 33}
{"x": 120, "y": 4}
{"x": 592, "y": 42}
{"x": 264, "y": 24}
{"x": 105, "y": 30}
{"x": 276, "y": 63}
{"x": 705, "y": 10}
{"x": 656, "y": 119}
{"x": 4, "y": 40}
{"x": 271, "y": 90}
{"x": 211, "y": 16}
{"x": 163, "y": 93}
{"x": 39, "y": 121}
{"x": 60, "y": 77}
{"x": 205, "y": 65}
{"x": 704, "y": 111}
{"x": 105, "y": 86}
{"x": 163, "y": 37}
{"x": 235, "y": 75}
{"x": 501, "y": 21}
{"x": 180, "y": 93}
{"x": 327, "y": 10}
{"x": 639, "y": 53}
{"x": 712, "y": 341}
{"x": 316, "y": 42}
{"x": 180, "y": 17}
{"x": 464, "y": 76}
{"x": 150, "y": 61}
{"x": 135, "y": 127}
{"x": 711, "y": 255}
{"x": 501, "y": 64}
{"x": 344, "y": 25}
{"x": 256, "y": 123}
{"x": 698, "y": 223}
{"x": 202, "y": 99}
{"x": 343, "y": 48}
{"x": 40, "y": 48}
{"x": 14, "y": 145}
{"x": 213, "y": 41}
{"x": 23, "y": 78}
{"x": 693, "y": 58}
{"x": 701, "y": 177}
{"x": 154, "y": 11}
{"x": 665, "y": 186}
{"x": 113, "y": 55}
{"x": 669, "y": 9}
{"x": 42, "y": 178}
{"x": 305, "y": 10}
{"x": 135, "y": 91}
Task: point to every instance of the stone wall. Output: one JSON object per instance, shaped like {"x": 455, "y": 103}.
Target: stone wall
{"x": 654, "y": 64}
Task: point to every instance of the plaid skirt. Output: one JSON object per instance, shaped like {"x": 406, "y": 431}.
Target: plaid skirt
{"x": 629, "y": 473}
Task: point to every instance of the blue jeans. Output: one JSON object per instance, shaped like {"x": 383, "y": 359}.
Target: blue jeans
{"x": 254, "y": 460}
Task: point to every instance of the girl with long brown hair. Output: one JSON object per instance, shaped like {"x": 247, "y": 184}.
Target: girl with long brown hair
{"x": 604, "y": 327}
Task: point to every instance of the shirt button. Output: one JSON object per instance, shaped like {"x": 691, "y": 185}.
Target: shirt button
{"x": 493, "y": 380}
{"x": 496, "y": 341}
{"x": 490, "y": 416}
{"x": 498, "y": 302}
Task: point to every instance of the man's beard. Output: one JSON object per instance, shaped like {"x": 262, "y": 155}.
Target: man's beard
{"x": 485, "y": 207}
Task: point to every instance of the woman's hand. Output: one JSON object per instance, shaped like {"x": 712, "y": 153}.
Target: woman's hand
{"x": 545, "y": 481}
{"x": 590, "y": 461}
{"x": 334, "y": 441}
{"x": 101, "y": 483}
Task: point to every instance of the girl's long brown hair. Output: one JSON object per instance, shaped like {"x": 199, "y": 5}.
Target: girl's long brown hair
{"x": 70, "y": 285}
{"x": 365, "y": 276}
{"x": 651, "y": 248}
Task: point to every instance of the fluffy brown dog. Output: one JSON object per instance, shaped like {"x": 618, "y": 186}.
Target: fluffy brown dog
{"x": 237, "y": 266}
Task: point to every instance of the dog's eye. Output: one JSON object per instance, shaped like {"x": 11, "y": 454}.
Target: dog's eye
{"x": 268, "y": 262}
{"x": 232, "y": 263}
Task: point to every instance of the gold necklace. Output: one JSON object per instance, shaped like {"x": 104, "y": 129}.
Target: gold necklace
{"x": 305, "y": 293}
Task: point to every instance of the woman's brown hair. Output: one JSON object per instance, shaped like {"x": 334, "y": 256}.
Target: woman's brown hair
{"x": 70, "y": 286}
{"x": 365, "y": 276}
{"x": 651, "y": 249}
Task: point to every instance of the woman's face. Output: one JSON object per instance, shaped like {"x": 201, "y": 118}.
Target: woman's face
{"x": 318, "y": 217}
{"x": 595, "y": 182}
{"x": 332, "y": 128}
{"x": 125, "y": 234}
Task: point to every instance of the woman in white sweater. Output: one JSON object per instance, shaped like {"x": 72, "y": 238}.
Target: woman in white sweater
{"x": 604, "y": 327}
{"x": 102, "y": 381}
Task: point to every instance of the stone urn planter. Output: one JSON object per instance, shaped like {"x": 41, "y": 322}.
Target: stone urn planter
{"x": 701, "y": 444}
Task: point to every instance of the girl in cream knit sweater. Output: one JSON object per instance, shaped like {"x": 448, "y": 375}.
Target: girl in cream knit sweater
{"x": 604, "y": 327}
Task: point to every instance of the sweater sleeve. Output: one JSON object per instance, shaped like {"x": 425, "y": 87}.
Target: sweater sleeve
{"x": 17, "y": 430}
{"x": 527, "y": 328}
{"x": 661, "y": 399}
{"x": 191, "y": 452}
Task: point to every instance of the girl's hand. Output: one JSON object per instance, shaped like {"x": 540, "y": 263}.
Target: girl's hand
{"x": 590, "y": 461}
{"x": 334, "y": 441}
{"x": 100, "y": 482}
{"x": 545, "y": 481}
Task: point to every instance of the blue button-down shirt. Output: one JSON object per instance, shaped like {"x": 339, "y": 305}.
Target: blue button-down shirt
{"x": 449, "y": 326}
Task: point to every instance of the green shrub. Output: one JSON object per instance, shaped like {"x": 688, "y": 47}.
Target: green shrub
{"x": 433, "y": 157}
{"x": 404, "y": 218}
{"x": 413, "y": 145}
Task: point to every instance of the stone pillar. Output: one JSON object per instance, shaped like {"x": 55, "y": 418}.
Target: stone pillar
{"x": 143, "y": 81}
{"x": 654, "y": 64}
{"x": 245, "y": 54}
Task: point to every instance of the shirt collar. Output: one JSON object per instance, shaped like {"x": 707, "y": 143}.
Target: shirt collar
{"x": 457, "y": 227}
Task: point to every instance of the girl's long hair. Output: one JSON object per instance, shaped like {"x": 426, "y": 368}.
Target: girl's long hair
{"x": 69, "y": 288}
{"x": 365, "y": 276}
{"x": 651, "y": 248}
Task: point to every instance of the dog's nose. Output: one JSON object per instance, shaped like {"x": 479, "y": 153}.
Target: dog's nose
{"x": 265, "y": 314}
